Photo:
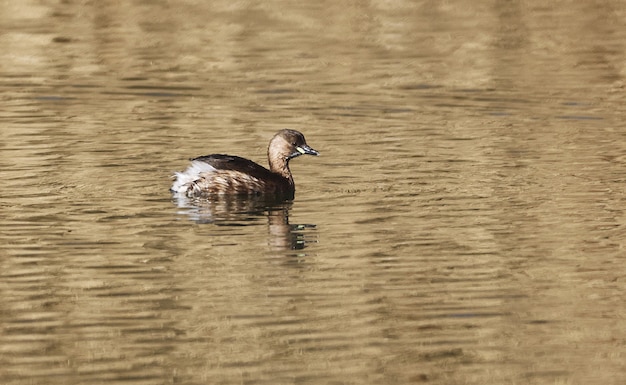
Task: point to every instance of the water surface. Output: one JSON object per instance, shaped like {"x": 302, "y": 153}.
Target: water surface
{"x": 464, "y": 224}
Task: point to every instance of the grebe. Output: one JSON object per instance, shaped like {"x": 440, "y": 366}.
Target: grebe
{"x": 218, "y": 174}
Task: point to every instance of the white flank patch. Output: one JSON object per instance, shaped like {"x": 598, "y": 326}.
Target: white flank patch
{"x": 190, "y": 175}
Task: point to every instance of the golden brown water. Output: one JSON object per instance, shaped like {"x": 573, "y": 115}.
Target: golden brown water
{"x": 464, "y": 224}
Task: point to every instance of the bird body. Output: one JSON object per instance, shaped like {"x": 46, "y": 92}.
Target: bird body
{"x": 219, "y": 174}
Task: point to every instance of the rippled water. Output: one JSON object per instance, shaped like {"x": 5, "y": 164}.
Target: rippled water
{"x": 464, "y": 224}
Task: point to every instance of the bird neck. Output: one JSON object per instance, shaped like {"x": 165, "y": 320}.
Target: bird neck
{"x": 280, "y": 165}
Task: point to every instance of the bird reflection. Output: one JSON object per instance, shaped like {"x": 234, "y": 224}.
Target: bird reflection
{"x": 243, "y": 211}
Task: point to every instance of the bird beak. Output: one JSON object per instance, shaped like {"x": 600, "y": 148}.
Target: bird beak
{"x": 306, "y": 150}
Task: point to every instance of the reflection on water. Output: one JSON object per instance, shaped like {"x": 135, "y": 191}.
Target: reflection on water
{"x": 241, "y": 211}
{"x": 465, "y": 225}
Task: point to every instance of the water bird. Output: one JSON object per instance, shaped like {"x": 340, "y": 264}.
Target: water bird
{"x": 219, "y": 174}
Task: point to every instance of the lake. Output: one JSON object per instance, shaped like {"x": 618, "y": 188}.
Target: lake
{"x": 464, "y": 224}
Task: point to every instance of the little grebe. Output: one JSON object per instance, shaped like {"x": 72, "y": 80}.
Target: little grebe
{"x": 219, "y": 174}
